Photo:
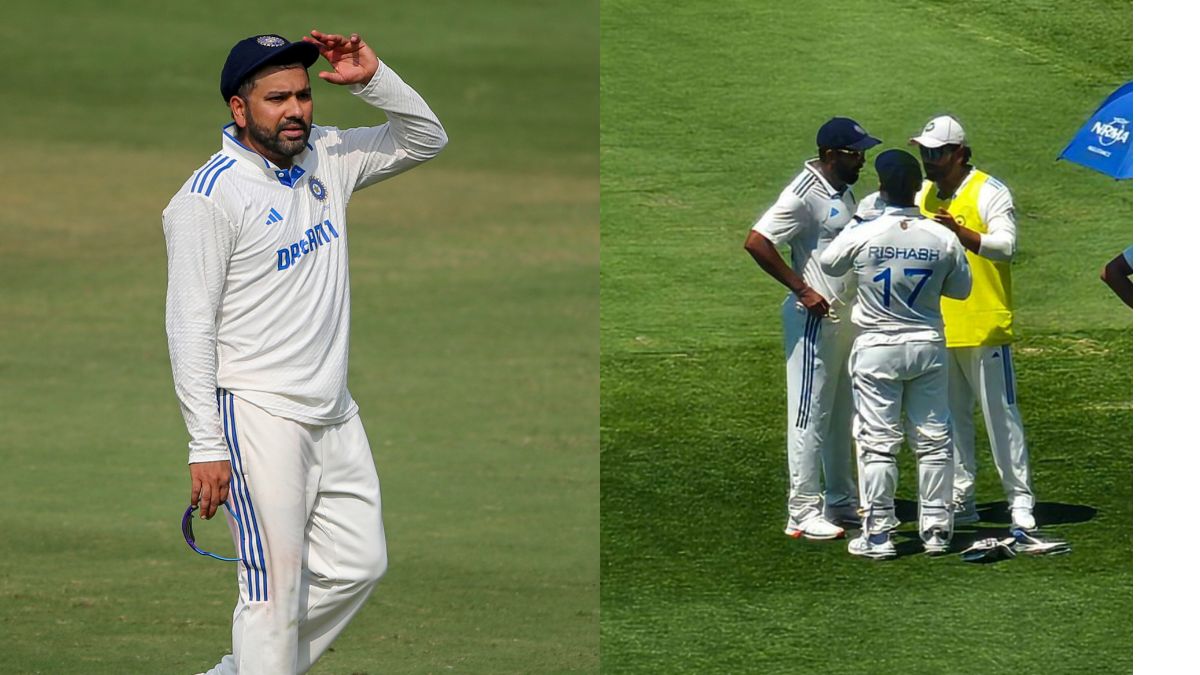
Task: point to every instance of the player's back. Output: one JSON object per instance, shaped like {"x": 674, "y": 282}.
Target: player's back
{"x": 903, "y": 264}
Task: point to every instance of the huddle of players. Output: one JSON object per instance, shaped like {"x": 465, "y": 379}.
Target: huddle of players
{"x": 928, "y": 263}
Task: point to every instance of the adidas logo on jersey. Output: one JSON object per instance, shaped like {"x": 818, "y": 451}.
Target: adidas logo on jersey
{"x": 274, "y": 217}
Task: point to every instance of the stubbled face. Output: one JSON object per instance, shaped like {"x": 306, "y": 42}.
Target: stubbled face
{"x": 939, "y": 161}
{"x": 848, "y": 164}
{"x": 277, "y": 112}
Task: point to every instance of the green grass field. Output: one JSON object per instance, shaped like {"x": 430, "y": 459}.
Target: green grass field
{"x": 707, "y": 111}
{"x": 474, "y": 353}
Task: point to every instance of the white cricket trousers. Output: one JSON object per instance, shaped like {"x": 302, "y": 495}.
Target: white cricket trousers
{"x": 311, "y": 536}
{"x": 985, "y": 374}
{"x": 891, "y": 379}
{"x": 819, "y": 410}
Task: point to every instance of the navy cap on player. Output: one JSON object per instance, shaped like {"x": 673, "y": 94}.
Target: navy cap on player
{"x": 843, "y": 132}
{"x": 899, "y": 173}
{"x": 259, "y": 51}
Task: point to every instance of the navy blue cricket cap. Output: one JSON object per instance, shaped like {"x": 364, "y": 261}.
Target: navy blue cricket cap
{"x": 843, "y": 132}
{"x": 259, "y": 51}
{"x": 899, "y": 173}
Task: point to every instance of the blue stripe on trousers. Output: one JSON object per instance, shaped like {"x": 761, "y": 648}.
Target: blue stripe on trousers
{"x": 808, "y": 363}
{"x": 1010, "y": 388}
{"x": 257, "y": 587}
{"x": 257, "y": 538}
{"x": 814, "y": 334}
{"x": 805, "y": 347}
{"x": 235, "y": 494}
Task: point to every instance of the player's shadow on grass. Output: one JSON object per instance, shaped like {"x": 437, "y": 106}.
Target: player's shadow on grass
{"x": 1046, "y": 513}
{"x": 994, "y": 521}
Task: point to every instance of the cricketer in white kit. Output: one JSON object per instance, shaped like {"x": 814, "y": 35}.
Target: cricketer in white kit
{"x": 258, "y": 322}
{"x": 978, "y": 209}
{"x": 808, "y": 214}
{"x": 903, "y": 264}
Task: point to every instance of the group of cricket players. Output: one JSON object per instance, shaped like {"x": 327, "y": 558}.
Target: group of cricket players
{"x": 898, "y": 320}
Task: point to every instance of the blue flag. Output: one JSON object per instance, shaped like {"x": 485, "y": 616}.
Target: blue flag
{"x": 1105, "y": 143}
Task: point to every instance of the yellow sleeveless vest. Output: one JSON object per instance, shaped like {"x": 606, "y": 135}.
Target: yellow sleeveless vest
{"x": 985, "y": 317}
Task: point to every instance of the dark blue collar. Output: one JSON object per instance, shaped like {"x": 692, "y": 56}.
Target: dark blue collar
{"x": 286, "y": 177}
{"x": 289, "y": 177}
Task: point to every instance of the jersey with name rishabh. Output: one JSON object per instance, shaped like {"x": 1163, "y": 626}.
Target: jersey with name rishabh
{"x": 903, "y": 264}
{"x": 258, "y": 286}
{"x": 808, "y": 214}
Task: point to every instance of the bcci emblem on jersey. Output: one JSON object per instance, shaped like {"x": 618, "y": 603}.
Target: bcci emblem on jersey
{"x": 317, "y": 188}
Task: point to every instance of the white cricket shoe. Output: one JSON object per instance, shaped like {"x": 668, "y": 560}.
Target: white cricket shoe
{"x": 938, "y": 542}
{"x": 874, "y": 546}
{"x": 813, "y": 527}
{"x": 844, "y": 514}
{"x": 965, "y": 513}
{"x": 1022, "y": 519}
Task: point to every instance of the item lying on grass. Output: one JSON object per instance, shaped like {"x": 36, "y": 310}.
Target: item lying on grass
{"x": 995, "y": 550}
{"x": 990, "y": 550}
{"x": 1027, "y": 543}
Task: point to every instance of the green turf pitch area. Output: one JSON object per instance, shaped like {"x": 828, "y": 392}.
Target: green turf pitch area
{"x": 474, "y": 352}
{"x": 707, "y": 111}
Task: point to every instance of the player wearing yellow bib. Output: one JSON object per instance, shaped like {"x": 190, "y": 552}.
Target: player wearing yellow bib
{"x": 978, "y": 209}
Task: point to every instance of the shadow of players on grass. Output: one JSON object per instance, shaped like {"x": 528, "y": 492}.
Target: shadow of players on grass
{"x": 994, "y": 521}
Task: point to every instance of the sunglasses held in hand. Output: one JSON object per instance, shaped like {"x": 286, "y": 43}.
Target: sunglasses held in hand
{"x": 190, "y": 537}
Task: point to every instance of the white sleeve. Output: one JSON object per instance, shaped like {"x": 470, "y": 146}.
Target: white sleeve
{"x": 838, "y": 256}
{"x": 199, "y": 243}
{"x": 1000, "y": 241}
{"x": 411, "y": 135}
{"x": 787, "y": 218}
{"x": 869, "y": 208}
{"x": 958, "y": 281}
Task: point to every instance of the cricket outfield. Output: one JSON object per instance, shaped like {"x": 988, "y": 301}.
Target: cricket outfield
{"x": 707, "y": 111}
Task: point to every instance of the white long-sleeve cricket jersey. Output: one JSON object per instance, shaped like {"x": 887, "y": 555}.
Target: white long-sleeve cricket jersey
{"x": 903, "y": 263}
{"x": 258, "y": 285}
{"x": 806, "y": 216}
